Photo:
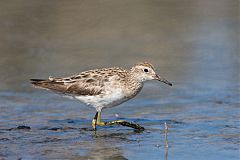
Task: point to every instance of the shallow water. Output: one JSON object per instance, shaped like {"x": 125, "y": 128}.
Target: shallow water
{"x": 194, "y": 44}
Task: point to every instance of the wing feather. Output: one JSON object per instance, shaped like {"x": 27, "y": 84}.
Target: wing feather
{"x": 86, "y": 83}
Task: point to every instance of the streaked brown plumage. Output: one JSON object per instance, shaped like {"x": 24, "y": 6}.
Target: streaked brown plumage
{"x": 102, "y": 88}
{"x": 89, "y": 83}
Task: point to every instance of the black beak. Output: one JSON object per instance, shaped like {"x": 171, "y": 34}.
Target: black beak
{"x": 163, "y": 80}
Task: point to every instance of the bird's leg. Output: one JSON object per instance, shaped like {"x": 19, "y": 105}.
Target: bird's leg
{"x": 97, "y": 121}
{"x": 94, "y": 121}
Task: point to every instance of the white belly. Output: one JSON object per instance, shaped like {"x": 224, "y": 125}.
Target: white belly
{"x": 109, "y": 99}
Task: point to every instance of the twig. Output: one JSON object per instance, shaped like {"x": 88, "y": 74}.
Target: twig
{"x": 166, "y": 140}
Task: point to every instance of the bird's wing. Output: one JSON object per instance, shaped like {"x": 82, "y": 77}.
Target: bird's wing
{"x": 90, "y": 82}
{"x": 84, "y": 83}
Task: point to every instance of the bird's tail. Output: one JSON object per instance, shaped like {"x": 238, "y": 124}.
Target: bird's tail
{"x": 38, "y": 83}
{"x": 47, "y": 84}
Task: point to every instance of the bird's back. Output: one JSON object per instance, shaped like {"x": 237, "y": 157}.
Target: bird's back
{"x": 91, "y": 82}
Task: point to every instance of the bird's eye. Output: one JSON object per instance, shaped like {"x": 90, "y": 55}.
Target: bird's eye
{"x": 145, "y": 70}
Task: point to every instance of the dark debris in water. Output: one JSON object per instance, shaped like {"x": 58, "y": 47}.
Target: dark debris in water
{"x": 66, "y": 128}
{"x": 4, "y": 139}
{"x": 231, "y": 126}
{"x": 60, "y": 128}
{"x": 23, "y": 127}
{"x": 71, "y": 121}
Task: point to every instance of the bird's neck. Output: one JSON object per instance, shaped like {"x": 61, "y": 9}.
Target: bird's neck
{"x": 134, "y": 74}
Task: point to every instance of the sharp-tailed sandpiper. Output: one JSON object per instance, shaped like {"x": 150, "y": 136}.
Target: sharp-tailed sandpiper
{"x": 103, "y": 88}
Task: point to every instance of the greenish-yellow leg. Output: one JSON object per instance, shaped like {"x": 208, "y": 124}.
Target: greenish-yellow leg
{"x": 97, "y": 121}
{"x": 94, "y": 121}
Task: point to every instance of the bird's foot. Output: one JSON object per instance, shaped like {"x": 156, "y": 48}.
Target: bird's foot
{"x": 97, "y": 122}
{"x": 135, "y": 126}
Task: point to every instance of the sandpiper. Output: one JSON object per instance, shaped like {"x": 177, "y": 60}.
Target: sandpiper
{"x": 103, "y": 88}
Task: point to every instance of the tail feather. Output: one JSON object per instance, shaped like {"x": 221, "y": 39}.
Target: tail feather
{"x": 37, "y": 80}
{"x": 48, "y": 84}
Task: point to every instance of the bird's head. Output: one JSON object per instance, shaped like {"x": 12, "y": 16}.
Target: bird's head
{"x": 145, "y": 71}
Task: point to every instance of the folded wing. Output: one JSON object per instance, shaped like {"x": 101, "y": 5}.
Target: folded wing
{"x": 75, "y": 88}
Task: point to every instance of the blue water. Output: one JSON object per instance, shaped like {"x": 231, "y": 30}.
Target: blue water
{"x": 198, "y": 128}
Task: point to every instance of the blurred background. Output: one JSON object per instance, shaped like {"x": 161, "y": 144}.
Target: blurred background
{"x": 193, "y": 43}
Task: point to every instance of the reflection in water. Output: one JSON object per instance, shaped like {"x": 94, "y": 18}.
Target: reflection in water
{"x": 108, "y": 144}
{"x": 102, "y": 149}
